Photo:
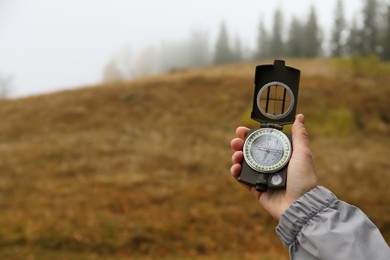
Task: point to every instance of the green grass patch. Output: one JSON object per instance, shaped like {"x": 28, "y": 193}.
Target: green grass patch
{"x": 324, "y": 121}
{"x": 368, "y": 66}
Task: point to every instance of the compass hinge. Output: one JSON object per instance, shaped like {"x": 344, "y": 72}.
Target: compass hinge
{"x": 268, "y": 125}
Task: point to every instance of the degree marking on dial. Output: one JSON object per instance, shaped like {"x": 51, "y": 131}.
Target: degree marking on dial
{"x": 267, "y": 150}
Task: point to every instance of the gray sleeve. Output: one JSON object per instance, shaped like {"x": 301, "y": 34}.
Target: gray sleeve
{"x": 319, "y": 226}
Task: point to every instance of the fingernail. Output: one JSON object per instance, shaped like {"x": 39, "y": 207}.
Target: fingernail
{"x": 301, "y": 118}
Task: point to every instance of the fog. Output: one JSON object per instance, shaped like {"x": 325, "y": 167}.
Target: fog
{"x": 48, "y": 45}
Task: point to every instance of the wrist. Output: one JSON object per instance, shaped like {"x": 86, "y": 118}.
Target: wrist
{"x": 288, "y": 201}
{"x": 284, "y": 206}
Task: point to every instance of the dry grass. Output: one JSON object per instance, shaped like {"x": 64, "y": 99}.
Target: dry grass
{"x": 141, "y": 169}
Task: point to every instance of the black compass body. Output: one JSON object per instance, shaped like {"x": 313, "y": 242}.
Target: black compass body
{"x": 267, "y": 150}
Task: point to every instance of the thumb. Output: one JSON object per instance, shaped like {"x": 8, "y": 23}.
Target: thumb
{"x": 300, "y": 137}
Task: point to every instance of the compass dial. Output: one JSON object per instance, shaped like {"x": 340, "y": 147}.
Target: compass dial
{"x": 267, "y": 150}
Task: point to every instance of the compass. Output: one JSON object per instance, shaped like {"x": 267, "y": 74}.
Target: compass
{"x": 267, "y": 150}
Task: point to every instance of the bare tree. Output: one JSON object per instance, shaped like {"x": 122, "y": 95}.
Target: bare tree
{"x": 146, "y": 63}
{"x": 191, "y": 52}
{"x": 119, "y": 67}
{"x": 5, "y": 86}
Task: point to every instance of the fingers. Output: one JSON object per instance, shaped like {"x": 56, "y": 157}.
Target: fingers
{"x": 238, "y": 143}
{"x": 300, "y": 137}
{"x": 237, "y": 157}
{"x": 241, "y": 132}
{"x": 235, "y": 170}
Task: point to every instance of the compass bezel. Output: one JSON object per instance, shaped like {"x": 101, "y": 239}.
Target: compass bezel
{"x": 283, "y": 161}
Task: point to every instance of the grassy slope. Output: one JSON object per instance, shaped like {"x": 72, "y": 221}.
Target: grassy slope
{"x": 142, "y": 168}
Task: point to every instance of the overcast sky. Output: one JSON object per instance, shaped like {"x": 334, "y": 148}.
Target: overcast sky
{"x": 47, "y": 45}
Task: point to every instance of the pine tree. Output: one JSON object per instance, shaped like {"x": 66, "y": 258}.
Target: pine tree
{"x": 198, "y": 49}
{"x": 237, "y": 53}
{"x": 312, "y": 40}
{"x": 370, "y": 27}
{"x": 386, "y": 41}
{"x": 337, "y": 43}
{"x": 263, "y": 43}
{"x": 295, "y": 42}
{"x": 277, "y": 48}
{"x": 354, "y": 41}
{"x": 223, "y": 53}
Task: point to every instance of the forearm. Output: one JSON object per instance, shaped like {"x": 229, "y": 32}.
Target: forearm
{"x": 319, "y": 226}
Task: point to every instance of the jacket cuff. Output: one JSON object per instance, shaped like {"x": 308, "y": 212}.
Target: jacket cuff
{"x": 301, "y": 211}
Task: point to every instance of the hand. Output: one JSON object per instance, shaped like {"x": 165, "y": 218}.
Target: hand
{"x": 301, "y": 174}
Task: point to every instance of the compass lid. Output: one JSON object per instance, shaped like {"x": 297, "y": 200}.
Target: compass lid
{"x": 276, "y": 93}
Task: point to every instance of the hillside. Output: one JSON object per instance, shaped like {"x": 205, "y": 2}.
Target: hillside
{"x": 140, "y": 169}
